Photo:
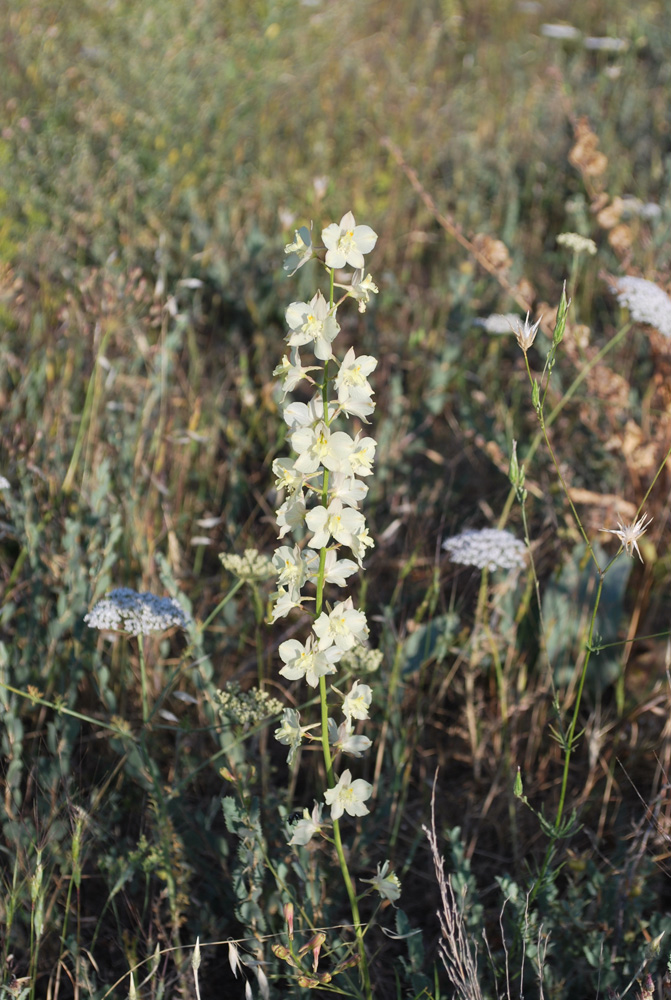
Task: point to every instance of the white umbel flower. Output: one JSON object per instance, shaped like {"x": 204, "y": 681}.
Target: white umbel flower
{"x": 498, "y": 323}
{"x": 577, "y": 243}
{"x": 489, "y": 548}
{"x": 126, "y": 610}
{"x": 646, "y": 302}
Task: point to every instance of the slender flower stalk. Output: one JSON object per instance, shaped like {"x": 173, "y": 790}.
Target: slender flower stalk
{"x": 323, "y": 488}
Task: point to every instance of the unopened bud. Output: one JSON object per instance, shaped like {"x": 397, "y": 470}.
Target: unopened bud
{"x": 314, "y": 945}
{"x": 289, "y": 918}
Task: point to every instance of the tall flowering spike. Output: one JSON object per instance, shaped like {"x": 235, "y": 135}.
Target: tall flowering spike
{"x": 324, "y": 487}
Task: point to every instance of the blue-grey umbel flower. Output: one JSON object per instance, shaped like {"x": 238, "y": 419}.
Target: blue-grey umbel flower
{"x": 125, "y": 610}
{"x": 489, "y": 548}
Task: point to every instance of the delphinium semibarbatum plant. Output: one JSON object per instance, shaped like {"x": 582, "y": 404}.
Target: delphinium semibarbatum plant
{"x": 324, "y": 485}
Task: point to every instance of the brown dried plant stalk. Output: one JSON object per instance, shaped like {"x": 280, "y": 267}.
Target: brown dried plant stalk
{"x": 455, "y": 953}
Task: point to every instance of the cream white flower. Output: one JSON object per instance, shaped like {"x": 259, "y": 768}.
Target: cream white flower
{"x": 344, "y": 626}
{"x": 308, "y": 414}
{"x": 291, "y": 514}
{"x": 343, "y": 523}
{"x": 357, "y": 701}
{"x": 362, "y": 289}
{"x": 346, "y": 243}
{"x": 340, "y": 453}
{"x": 362, "y": 456}
{"x": 348, "y": 796}
{"x": 354, "y": 370}
{"x": 312, "y": 445}
{"x": 629, "y": 534}
{"x": 306, "y": 660}
{"x": 350, "y": 490}
{"x": 299, "y": 252}
{"x": 336, "y": 570}
{"x": 312, "y": 323}
{"x": 291, "y": 371}
{"x": 286, "y": 475}
{"x": 285, "y": 600}
{"x": 360, "y": 543}
{"x": 354, "y": 390}
{"x": 344, "y": 738}
{"x": 246, "y": 708}
{"x": 356, "y": 403}
{"x": 306, "y": 827}
{"x": 317, "y": 446}
{"x": 387, "y": 883}
{"x": 290, "y": 566}
{"x": 291, "y": 733}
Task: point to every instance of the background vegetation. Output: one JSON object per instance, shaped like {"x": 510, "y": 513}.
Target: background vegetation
{"x": 156, "y": 157}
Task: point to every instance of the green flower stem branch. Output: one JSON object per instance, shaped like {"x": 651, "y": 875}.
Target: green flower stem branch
{"x": 556, "y": 411}
{"x": 568, "y": 742}
{"x": 330, "y": 779}
{"x": 143, "y": 679}
{"x": 563, "y": 828}
{"x": 88, "y": 414}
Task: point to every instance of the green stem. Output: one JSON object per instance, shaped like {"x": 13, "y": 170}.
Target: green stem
{"x": 326, "y": 749}
{"x": 143, "y": 678}
{"x": 61, "y": 710}
{"x": 544, "y": 431}
{"x": 85, "y": 421}
{"x": 569, "y": 743}
{"x": 570, "y": 392}
{"x": 234, "y": 589}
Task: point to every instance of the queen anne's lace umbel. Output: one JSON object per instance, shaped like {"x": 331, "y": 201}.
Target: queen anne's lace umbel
{"x": 126, "y": 610}
{"x": 646, "y": 302}
{"x": 489, "y": 548}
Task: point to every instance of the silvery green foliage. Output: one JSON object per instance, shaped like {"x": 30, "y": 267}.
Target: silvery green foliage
{"x": 126, "y": 610}
{"x": 489, "y": 548}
